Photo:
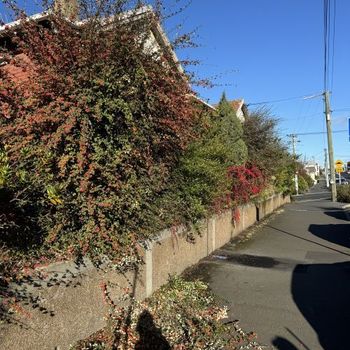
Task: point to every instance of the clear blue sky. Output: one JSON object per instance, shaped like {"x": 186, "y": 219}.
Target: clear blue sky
{"x": 265, "y": 50}
{"x": 270, "y": 50}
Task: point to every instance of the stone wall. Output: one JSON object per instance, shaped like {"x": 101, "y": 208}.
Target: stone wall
{"x": 68, "y": 305}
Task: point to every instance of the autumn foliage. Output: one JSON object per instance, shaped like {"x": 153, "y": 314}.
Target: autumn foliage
{"x": 247, "y": 182}
{"x": 90, "y": 134}
{"x": 103, "y": 143}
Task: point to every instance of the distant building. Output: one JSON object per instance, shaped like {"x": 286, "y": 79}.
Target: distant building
{"x": 313, "y": 170}
{"x": 240, "y": 108}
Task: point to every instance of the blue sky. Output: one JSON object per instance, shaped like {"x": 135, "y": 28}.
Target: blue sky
{"x": 269, "y": 50}
{"x": 263, "y": 50}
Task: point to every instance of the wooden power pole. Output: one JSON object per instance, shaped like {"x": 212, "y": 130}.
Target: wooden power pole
{"x": 330, "y": 146}
{"x": 294, "y": 138}
{"x": 326, "y": 167}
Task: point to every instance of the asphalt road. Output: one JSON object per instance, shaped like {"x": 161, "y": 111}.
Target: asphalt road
{"x": 318, "y": 192}
{"x": 289, "y": 280}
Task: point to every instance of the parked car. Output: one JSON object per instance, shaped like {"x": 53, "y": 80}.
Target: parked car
{"x": 343, "y": 181}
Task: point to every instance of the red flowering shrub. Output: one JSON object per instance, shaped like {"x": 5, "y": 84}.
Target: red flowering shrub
{"x": 247, "y": 181}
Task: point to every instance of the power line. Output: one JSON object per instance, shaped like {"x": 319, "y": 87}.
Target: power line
{"x": 333, "y": 39}
{"x": 305, "y": 122}
{"x": 304, "y": 97}
{"x": 321, "y": 132}
{"x": 306, "y": 116}
{"x": 330, "y": 14}
{"x": 328, "y": 41}
{"x": 317, "y": 132}
{"x": 325, "y": 42}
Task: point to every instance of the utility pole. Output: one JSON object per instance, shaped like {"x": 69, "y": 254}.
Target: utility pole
{"x": 326, "y": 166}
{"x": 294, "y": 138}
{"x": 330, "y": 146}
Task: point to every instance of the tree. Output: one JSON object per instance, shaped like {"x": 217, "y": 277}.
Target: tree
{"x": 265, "y": 148}
{"x": 201, "y": 178}
{"x": 231, "y": 131}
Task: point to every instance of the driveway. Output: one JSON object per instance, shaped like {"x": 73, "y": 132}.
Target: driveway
{"x": 289, "y": 280}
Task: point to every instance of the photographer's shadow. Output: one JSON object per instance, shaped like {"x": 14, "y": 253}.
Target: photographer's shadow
{"x": 151, "y": 337}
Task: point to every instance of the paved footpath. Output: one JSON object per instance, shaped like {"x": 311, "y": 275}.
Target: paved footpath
{"x": 290, "y": 282}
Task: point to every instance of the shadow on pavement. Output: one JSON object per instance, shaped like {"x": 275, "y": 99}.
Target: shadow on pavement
{"x": 322, "y": 294}
{"x": 283, "y": 344}
{"x": 338, "y": 214}
{"x": 308, "y": 240}
{"x": 338, "y": 234}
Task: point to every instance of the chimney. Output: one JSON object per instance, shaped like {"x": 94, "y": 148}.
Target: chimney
{"x": 67, "y": 8}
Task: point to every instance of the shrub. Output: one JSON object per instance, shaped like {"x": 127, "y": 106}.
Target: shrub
{"x": 310, "y": 182}
{"x": 181, "y": 315}
{"x": 91, "y": 137}
{"x": 303, "y": 185}
{"x": 247, "y": 182}
{"x": 343, "y": 193}
{"x": 201, "y": 175}
{"x": 284, "y": 181}
{"x": 265, "y": 148}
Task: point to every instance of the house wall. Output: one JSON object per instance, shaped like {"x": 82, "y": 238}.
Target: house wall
{"x": 240, "y": 115}
{"x": 68, "y": 304}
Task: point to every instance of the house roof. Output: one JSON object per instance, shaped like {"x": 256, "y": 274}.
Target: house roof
{"x": 159, "y": 37}
{"x": 132, "y": 15}
{"x": 15, "y": 24}
{"x": 237, "y": 104}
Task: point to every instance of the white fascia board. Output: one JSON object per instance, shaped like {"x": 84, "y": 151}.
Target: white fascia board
{"x": 203, "y": 102}
{"x": 125, "y": 16}
{"x": 166, "y": 45}
{"x": 15, "y": 24}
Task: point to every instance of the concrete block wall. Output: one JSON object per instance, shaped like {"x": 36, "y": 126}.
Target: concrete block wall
{"x": 66, "y": 306}
{"x": 69, "y": 304}
{"x": 172, "y": 253}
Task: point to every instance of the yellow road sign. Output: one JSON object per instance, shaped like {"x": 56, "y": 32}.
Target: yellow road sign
{"x": 339, "y": 162}
{"x": 339, "y": 170}
{"x": 339, "y": 166}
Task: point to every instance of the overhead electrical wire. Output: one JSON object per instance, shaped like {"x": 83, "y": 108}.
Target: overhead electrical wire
{"x": 319, "y": 132}
{"x": 330, "y": 14}
{"x": 303, "y": 97}
{"x": 333, "y": 40}
{"x": 325, "y": 43}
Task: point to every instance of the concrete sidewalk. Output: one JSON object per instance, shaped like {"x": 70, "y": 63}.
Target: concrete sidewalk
{"x": 290, "y": 281}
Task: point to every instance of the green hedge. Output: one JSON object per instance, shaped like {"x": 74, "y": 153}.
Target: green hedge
{"x": 343, "y": 193}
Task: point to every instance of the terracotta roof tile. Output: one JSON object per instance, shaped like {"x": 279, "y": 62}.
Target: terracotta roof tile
{"x": 236, "y": 104}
